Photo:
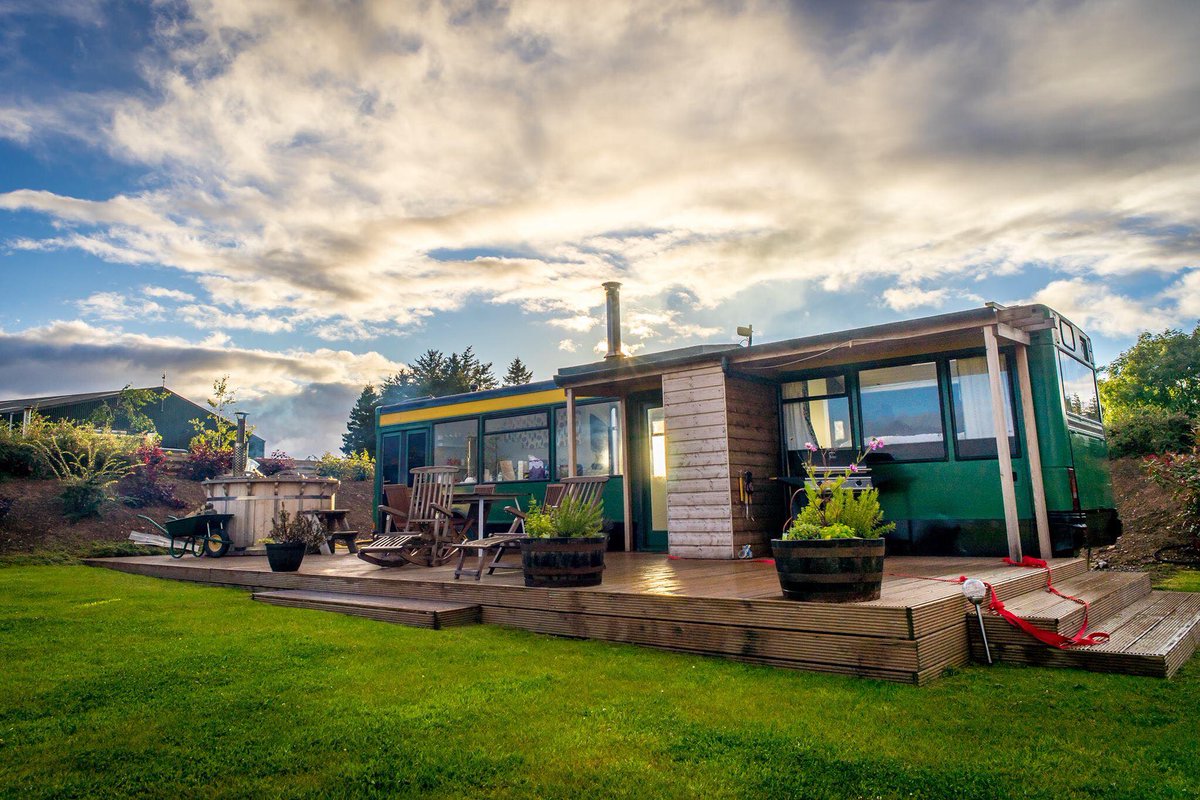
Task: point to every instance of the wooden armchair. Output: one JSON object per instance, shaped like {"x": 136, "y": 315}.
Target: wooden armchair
{"x": 587, "y": 489}
{"x": 394, "y": 509}
{"x": 427, "y": 534}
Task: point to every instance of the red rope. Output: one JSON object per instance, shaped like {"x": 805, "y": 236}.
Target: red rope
{"x": 1052, "y": 638}
{"x": 1081, "y": 638}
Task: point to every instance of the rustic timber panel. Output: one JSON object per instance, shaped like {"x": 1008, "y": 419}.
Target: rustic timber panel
{"x": 752, "y": 411}
{"x": 698, "y": 476}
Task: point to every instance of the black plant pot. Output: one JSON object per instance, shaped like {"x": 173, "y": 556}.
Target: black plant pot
{"x": 829, "y": 570}
{"x": 561, "y": 561}
{"x": 285, "y": 557}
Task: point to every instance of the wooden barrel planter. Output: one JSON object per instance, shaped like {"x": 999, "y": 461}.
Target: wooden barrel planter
{"x": 563, "y": 562}
{"x": 829, "y": 570}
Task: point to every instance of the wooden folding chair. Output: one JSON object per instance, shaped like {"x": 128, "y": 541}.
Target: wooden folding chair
{"x": 427, "y": 534}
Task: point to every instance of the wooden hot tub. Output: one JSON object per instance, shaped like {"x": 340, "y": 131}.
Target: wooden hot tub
{"x": 254, "y": 502}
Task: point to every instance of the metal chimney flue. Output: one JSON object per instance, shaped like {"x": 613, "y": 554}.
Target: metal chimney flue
{"x": 239, "y": 445}
{"x": 612, "y": 297}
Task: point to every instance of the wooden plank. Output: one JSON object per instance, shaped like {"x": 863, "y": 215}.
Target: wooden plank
{"x": 1033, "y": 454}
{"x": 697, "y": 395}
{"x": 702, "y": 498}
{"x": 1000, "y": 428}
{"x": 718, "y": 470}
{"x": 689, "y": 485}
{"x": 680, "y": 447}
{"x": 714, "y": 432}
{"x": 676, "y": 425}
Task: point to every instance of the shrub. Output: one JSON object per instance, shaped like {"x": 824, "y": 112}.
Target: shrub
{"x": 833, "y": 511}
{"x": 278, "y": 462}
{"x": 145, "y": 486}
{"x": 1149, "y": 431}
{"x": 17, "y": 458}
{"x": 206, "y": 460}
{"x": 86, "y": 463}
{"x": 295, "y": 529}
{"x": 1180, "y": 474}
{"x": 354, "y": 467}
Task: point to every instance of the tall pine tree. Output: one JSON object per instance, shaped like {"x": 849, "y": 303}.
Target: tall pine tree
{"x": 518, "y": 373}
{"x": 360, "y": 430}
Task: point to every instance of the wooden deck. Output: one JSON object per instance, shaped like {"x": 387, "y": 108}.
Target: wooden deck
{"x": 732, "y": 609}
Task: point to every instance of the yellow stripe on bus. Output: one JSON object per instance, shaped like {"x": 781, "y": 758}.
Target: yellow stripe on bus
{"x": 470, "y": 407}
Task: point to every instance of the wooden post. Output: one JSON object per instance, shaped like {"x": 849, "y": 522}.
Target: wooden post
{"x": 570, "y": 433}
{"x": 1003, "y": 456}
{"x": 1035, "y": 453}
{"x": 626, "y": 477}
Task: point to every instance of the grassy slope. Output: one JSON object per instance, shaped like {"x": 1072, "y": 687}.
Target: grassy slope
{"x": 116, "y": 685}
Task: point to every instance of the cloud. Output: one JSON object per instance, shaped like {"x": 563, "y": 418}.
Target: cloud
{"x": 567, "y": 345}
{"x": 1098, "y": 310}
{"x": 114, "y": 306}
{"x": 168, "y": 294}
{"x": 297, "y": 398}
{"x": 906, "y": 298}
{"x": 308, "y": 164}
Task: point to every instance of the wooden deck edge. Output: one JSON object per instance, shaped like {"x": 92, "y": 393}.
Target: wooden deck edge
{"x": 847, "y": 619}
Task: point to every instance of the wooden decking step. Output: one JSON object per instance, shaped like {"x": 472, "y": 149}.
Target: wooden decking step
{"x": 433, "y": 614}
{"x": 1105, "y": 592}
{"x": 1155, "y": 635}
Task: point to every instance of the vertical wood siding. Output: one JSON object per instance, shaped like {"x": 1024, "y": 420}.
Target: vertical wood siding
{"x": 699, "y": 504}
{"x": 752, "y": 414}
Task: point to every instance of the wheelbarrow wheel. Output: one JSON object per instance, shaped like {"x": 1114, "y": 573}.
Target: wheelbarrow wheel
{"x": 217, "y": 544}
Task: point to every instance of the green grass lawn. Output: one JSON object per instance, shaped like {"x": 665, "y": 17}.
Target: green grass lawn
{"x": 115, "y": 685}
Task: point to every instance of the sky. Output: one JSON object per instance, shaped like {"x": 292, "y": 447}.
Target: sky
{"x": 306, "y": 196}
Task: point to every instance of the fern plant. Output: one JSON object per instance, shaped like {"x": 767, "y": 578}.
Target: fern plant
{"x": 573, "y": 518}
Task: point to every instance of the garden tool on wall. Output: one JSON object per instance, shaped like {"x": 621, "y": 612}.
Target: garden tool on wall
{"x": 746, "y": 493}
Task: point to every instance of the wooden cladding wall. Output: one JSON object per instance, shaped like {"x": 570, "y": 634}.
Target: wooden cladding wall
{"x": 752, "y": 415}
{"x": 699, "y": 501}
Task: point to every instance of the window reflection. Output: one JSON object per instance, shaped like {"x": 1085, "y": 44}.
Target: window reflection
{"x": 901, "y": 406}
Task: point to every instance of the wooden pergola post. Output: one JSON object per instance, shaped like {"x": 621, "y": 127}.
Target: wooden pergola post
{"x": 570, "y": 433}
{"x": 1003, "y": 456}
{"x": 1035, "y": 454}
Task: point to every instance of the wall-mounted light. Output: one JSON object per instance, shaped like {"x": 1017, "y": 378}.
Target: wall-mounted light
{"x": 748, "y": 332}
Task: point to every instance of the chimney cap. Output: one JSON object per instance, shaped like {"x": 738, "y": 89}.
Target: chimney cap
{"x": 611, "y": 285}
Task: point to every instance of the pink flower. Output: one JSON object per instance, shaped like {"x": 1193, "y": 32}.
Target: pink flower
{"x": 854, "y": 467}
{"x": 876, "y": 444}
{"x": 811, "y": 447}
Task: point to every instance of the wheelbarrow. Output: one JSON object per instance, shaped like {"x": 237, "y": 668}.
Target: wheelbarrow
{"x": 200, "y": 534}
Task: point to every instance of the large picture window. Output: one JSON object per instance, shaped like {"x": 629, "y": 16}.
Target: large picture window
{"x": 517, "y": 448}
{"x": 597, "y": 439}
{"x": 1079, "y": 388}
{"x": 816, "y": 411}
{"x": 971, "y": 391}
{"x": 901, "y": 406}
{"x": 454, "y": 445}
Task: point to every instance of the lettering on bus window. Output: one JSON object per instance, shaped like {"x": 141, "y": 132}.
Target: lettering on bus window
{"x": 901, "y": 406}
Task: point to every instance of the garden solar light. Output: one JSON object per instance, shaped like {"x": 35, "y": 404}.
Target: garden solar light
{"x": 976, "y": 591}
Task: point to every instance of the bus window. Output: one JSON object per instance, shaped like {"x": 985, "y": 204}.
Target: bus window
{"x": 1066, "y": 334}
{"x": 516, "y": 448}
{"x": 597, "y": 439}
{"x": 902, "y": 406}
{"x": 971, "y": 391}
{"x": 1079, "y": 388}
{"x": 816, "y": 411}
{"x": 454, "y": 446}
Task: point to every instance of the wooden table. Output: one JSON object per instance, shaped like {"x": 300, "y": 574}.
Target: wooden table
{"x": 333, "y": 520}
{"x": 482, "y": 502}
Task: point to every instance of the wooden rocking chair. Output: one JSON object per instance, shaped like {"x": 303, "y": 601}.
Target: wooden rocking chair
{"x": 586, "y": 489}
{"x": 428, "y": 533}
